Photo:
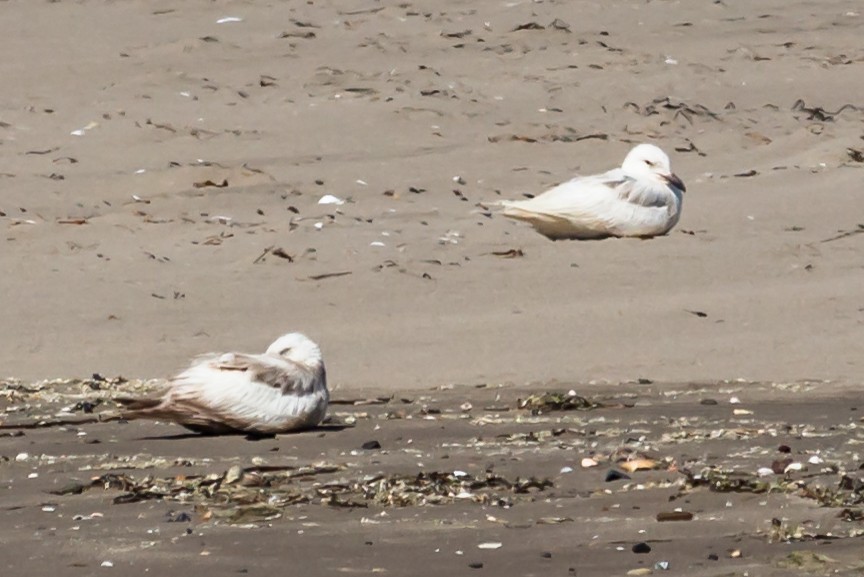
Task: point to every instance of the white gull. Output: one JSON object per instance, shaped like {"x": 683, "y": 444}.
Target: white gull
{"x": 282, "y": 390}
{"x": 642, "y": 198}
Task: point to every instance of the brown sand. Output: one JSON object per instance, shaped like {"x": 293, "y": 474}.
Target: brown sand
{"x": 385, "y": 105}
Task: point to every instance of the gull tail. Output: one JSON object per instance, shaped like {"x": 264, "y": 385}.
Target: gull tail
{"x": 183, "y": 416}
{"x": 136, "y": 405}
{"x": 146, "y": 409}
{"x": 512, "y": 210}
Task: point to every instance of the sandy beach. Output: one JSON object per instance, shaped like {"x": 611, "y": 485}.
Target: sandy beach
{"x": 162, "y": 166}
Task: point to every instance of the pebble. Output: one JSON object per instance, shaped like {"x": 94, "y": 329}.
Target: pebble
{"x": 640, "y": 548}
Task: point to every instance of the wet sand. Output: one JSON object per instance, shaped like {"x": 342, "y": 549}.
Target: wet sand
{"x": 161, "y": 177}
{"x": 444, "y": 472}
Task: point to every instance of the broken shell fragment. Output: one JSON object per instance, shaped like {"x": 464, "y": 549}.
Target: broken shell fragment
{"x": 330, "y": 199}
{"x": 638, "y": 465}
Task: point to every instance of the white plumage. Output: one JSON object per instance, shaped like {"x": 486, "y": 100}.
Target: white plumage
{"x": 282, "y": 390}
{"x": 642, "y": 198}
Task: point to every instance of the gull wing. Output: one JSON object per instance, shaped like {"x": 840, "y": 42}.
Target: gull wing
{"x": 266, "y": 370}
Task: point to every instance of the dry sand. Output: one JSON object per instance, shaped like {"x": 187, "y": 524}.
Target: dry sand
{"x": 151, "y": 156}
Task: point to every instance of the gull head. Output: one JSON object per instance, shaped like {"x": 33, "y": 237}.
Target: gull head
{"x": 296, "y": 347}
{"x": 648, "y": 161}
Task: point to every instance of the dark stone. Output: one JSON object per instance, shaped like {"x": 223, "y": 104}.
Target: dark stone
{"x": 641, "y": 548}
{"x": 371, "y": 445}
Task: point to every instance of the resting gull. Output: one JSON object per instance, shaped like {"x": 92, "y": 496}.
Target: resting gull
{"x": 282, "y": 390}
{"x": 642, "y": 198}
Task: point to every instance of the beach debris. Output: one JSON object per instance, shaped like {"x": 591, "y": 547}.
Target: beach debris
{"x": 746, "y": 174}
{"x": 208, "y": 182}
{"x": 512, "y": 253}
{"x": 818, "y": 113}
{"x": 328, "y": 275}
{"x": 641, "y": 548}
{"x": 330, "y": 199}
{"x": 845, "y": 233}
{"x": 83, "y": 131}
{"x": 639, "y": 465}
{"x": 275, "y": 251}
{"x": 542, "y": 403}
{"x": 253, "y": 494}
{"x": 809, "y": 561}
{"x": 855, "y": 154}
{"x": 370, "y": 445}
{"x": 489, "y": 545}
{"x": 229, "y": 20}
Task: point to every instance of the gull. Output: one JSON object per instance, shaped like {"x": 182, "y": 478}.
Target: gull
{"x": 642, "y": 198}
{"x": 282, "y": 390}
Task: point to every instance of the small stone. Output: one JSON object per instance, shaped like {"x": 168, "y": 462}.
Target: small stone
{"x": 589, "y": 462}
{"x": 477, "y": 565}
{"x": 233, "y": 475}
{"x": 489, "y": 545}
{"x": 106, "y": 564}
{"x": 370, "y": 445}
{"x": 546, "y": 555}
{"x": 784, "y": 449}
{"x": 178, "y": 518}
{"x": 641, "y": 548}
{"x": 713, "y": 557}
{"x": 735, "y": 553}
{"x": 21, "y": 457}
{"x": 708, "y": 402}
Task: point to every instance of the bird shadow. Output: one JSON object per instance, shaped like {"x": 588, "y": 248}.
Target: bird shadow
{"x": 244, "y": 435}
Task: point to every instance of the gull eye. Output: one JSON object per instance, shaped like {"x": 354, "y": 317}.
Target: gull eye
{"x": 649, "y": 163}
{"x": 285, "y": 351}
